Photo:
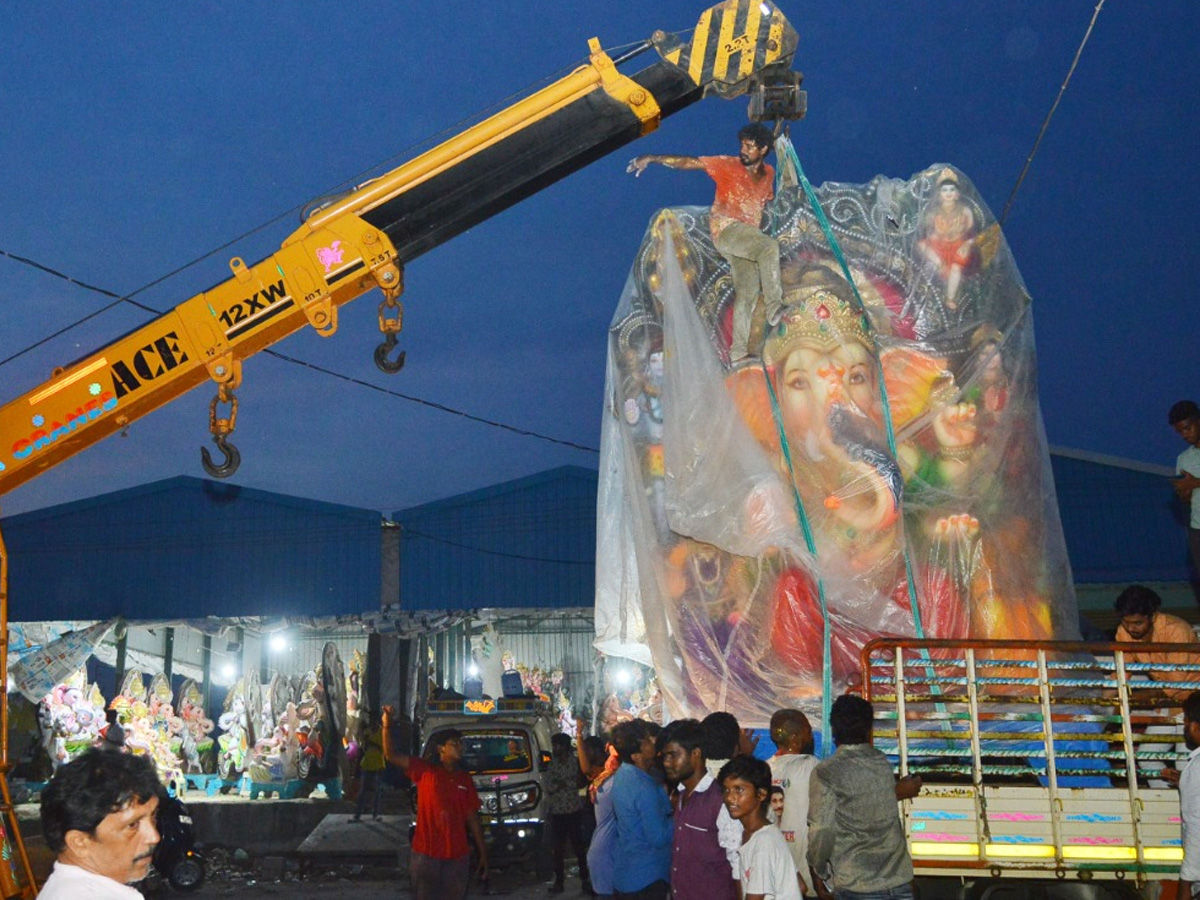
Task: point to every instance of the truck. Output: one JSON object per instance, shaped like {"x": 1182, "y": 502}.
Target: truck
{"x": 348, "y": 245}
{"x": 506, "y": 748}
{"x": 1041, "y": 762}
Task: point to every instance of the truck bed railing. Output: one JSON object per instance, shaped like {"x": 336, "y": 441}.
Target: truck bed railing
{"x": 1036, "y": 755}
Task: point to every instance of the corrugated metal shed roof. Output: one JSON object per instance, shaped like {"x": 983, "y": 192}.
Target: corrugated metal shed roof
{"x": 531, "y": 542}
{"x": 186, "y": 548}
{"x": 1121, "y": 519}
{"x": 524, "y": 543}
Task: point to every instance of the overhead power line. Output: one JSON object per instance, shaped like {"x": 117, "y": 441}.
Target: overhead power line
{"x": 440, "y": 407}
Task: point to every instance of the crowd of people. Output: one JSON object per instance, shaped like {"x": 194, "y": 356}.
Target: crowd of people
{"x": 688, "y": 811}
{"x": 685, "y": 811}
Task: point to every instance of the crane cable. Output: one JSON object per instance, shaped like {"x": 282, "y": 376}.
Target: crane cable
{"x": 1050, "y": 115}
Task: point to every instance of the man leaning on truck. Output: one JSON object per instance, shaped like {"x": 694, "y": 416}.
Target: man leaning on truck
{"x": 856, "y": 843}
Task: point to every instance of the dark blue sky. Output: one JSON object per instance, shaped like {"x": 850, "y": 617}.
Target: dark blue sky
{"x": 137, "y": 137}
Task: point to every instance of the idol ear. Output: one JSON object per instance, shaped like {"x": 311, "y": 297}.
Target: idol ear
{"x": 748, "y": 388}
{"x": 915, "y": 381}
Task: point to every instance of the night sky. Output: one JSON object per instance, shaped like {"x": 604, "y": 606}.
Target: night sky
{"x": 139, "y": 137}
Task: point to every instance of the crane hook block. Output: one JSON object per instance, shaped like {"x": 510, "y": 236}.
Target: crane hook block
{"x": 224, "y": 469}
{"x": 381, "y": 356}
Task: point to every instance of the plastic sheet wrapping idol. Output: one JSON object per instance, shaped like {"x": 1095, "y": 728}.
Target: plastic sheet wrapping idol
{"x": 877, "y": 467}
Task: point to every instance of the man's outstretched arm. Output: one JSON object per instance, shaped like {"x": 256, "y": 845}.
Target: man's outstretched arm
{"x": 390, "y": 753}
{"x": 638, "y": 164}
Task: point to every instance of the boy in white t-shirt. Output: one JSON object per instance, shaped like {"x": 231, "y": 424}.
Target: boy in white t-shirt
{"x": 791, "y": 767}
{"x": 767, "y": 869}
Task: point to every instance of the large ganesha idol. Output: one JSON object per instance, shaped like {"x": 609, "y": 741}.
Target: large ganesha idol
{"x": 879, "y": 465}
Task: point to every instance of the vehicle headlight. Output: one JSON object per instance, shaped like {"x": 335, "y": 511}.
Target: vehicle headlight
{"x": 489, "y": 803}
{"x": 520, "y": 799}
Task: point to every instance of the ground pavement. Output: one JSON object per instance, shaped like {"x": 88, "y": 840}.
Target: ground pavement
{"x": 366, "y": 860}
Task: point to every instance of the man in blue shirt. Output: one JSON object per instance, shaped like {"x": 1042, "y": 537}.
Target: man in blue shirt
{"x": 643, "y": 817}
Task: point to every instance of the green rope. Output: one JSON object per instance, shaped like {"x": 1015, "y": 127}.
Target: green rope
{"x": 790, "y": 152}
{"x": 811, "y": 544}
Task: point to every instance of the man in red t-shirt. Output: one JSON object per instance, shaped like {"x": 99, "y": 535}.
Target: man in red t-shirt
{"x": 745, "y": 184}
{"x": 447, "y": 808}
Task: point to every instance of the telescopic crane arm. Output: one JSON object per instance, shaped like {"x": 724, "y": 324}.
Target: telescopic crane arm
{"x": 363, "y": 240}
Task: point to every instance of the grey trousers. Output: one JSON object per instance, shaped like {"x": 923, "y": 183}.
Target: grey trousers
{"x": 439, "y": 879}
{"x": 754, "y": 262}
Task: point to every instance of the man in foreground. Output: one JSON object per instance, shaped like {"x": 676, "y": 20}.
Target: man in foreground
{"x": 767, "y": 871}
{"x": 745, "y": 184}
{"x": 98, "y": 816}
{"x": 447, "y": 809}
{"x": 855, "y": 839}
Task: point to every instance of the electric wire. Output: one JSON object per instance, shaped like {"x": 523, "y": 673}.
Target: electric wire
{"x": 441, "y": 407}
{"x": 1050, "y": 115}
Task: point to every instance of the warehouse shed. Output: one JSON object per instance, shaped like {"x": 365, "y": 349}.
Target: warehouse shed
{"x": 190, "y": 548}
{"x": 524, "y": 543}
{"x": 1123, "y": 525}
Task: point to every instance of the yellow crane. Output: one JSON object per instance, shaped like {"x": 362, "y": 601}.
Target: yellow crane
{"x": 355, "y": 243}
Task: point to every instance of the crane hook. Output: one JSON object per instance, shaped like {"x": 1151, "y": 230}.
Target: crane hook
{"x": 381, "y": 356}
{"x": 233, "y": 458}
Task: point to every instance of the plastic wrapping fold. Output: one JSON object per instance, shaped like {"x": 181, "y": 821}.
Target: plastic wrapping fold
{"x": 887, "y": 456}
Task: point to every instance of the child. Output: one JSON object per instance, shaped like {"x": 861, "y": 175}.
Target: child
{"x": 791, "y": 767}
{"x": 767, "y": 869}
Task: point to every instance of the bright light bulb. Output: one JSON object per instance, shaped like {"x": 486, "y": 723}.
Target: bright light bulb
{"x": 473, "y": 670}
{"x": 228, "y": 671}
{"x": 278, "y": 642}
{"x": 622, "y": 678}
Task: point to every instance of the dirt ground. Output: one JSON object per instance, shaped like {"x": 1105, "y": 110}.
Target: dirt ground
{"x": 273, "y": 879}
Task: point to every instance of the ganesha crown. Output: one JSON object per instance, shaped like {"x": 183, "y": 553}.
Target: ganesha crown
{"x": 821, "y": 318}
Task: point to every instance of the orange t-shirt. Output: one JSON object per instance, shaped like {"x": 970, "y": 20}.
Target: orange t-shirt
{"x": 444, "y": 801}
{"x": 1167, "y": 629}
{"x": 740, "y": 196}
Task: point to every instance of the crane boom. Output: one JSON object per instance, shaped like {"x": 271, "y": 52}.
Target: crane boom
{"x": 362, "y": 240}
{"x": 359, "y": 242}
